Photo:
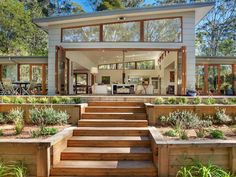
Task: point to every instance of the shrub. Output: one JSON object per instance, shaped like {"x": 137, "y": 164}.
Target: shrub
{"x": 226, "y": 101}
{"x": 32, "y": 99}
{"x": 201, "y": 170}
{"x": 6, "y": 99}
{"x": 183, "y": 135}
{"x": 17, "y": 169}
{"x": 216, "y": 134}
{"x": 200, "y": 132}
{"x": 172, "y": 100}
{"x": 45, "y": 131}
{"x": 197, "y": 100}
{"x": 1, "y": 134}
{"x": 233, "y": 100}
{"x": 18, "y": 100}
{"x": 76, "y": 100}
{"x": 210, "y": 101}
{"x": 2, "y": 118}
{"x": 66, "y": 100}
{"x": 43, "y": 100}
{"x": 15, "y": 114}
{"x": 19, "y": 125}
{"x": 48, "y": 116}
{"x": 221, "y": 117}
{"x": 3, "y": 169}
{"x": 187, "y": 119}
{"x": 171, "y": 133}
{"x": 56, "y": 100}
{"x": 159, "y": 100}
{"x": 182, "y": 100}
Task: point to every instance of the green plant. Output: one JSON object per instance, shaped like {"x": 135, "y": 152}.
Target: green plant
{"x": 35, "y": 133}
{"x": 221, "y": 117}
{"x": 172, "y": 100}
{"x": 6, "y": 99}
{"x": 226, "y": 101}
{"x": 171, "y": 133}
{"x": 159, "y": 100}
{"x": 17, "y": 169}
{"x": 197, "y": 100}
{"x": 182, "y": 100}
{"x": 185, "y": 171}
{"x": 19, "y": 125}
{"x": 2, "y": 169}
{"x": 1, "y": 134}
{"x": 48, "y": 131}
{"x": 183, "y": 134}
{"x": 200, "y": 132}
{"x": 18, "y": 100}
{"x": 48, "y": 116}
{"x": 216, "y": 134}
{"x": 15, "y": 114}
{"x": 32, "y": 99}
{"x": 43, "y": 100}
{"x": 66, "y": 100}
{"x": 56, "y": 100}
{"x": 76, "y": 100}
{"x": 2, "y": 118}
{"x": 210, "y": 101}
{"x": 187, "y": 119}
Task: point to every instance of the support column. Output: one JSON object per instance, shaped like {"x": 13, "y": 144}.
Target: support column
{"x": 206, "y": 79}
{"x": 234, "y": 77}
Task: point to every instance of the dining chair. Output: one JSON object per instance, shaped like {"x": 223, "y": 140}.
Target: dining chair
{"x": 2, "y": 89}
{"x": 30, "y": 89}
{"x": 9, "y": 88}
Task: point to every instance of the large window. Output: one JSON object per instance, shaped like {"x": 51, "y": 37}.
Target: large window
{"x": 24, "y": 72}
{"x": 82, "y": 34}
{"x": 107, "y": 66}
{"x": 226, "y": 79}
{"x": 121, "y": 32}
{"x": 149, "y": 65}
{"x": 9, "y": 72}
{"x": 163, "y": 30}
{"x": 200, "y": 78}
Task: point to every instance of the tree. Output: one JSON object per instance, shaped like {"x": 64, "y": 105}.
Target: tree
{"x": 109, "y": 5}
{"x": 15, "y": 27}
{"x": 216, "y": 33}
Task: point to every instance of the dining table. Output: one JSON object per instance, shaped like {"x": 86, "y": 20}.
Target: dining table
{"x": 22, "y": 85}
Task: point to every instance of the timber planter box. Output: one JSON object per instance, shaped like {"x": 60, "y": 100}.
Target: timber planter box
{"x": 74, "y": 110}
{"x": 155, "y": 111}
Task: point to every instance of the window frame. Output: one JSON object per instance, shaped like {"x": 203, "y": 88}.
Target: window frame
{"x": 141, "y": 22}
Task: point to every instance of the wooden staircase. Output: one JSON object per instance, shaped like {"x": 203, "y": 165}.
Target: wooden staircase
{"x": 112, "y": 139}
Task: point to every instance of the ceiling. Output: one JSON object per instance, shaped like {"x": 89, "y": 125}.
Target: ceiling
{"x": 108, "y": 56}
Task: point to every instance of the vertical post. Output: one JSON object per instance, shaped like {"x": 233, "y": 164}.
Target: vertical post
{"x": 206, "y": 79}
{"x": 101, "y": 33}
{"x": 234, "y": 77}
{"x": 141, "y": 31}
{"x": 233, "y": 159}
{"x": 44, "y": 79}
{"x": 18, "y": 71}
{"x": 219, "y": 82}
{"x": 184, "y": 69}
{"x": 30, "y": 73}
{"x": 163, "y": 160}
{"x": 56, "y": 70}
{"x": 0, "y": 72}
{"x": 43, "y": 161}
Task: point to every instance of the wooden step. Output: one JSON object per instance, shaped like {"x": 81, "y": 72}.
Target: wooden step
{"x": 104, "y": 168}
{"x": 112, "y": 123}
{"x": 108, "y": 141}
{"x": 110, "y": 131}
{"x": 119, "y": 103}
{"x": 106, "y": 153}
{"x": 127, "y": 116}
{"x": 115, "y": 109}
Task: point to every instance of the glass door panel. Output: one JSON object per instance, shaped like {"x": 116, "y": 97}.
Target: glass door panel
{"x": 200, "y": 79}
{"x": 213, "y": 79}
{"x": 81, "y": 83}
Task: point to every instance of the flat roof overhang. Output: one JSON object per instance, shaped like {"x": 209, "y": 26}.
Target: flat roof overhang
{"x": 23, "y": 60}
{"x": 215, "y": 60}
{"x": 201, "y": 10}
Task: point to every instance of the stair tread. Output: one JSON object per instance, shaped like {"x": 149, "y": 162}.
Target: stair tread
{"x": 110, "y": 120}
{"x": 105, "y": 164}
{"x": 111, "y": 128}
{"x": 116, "y": 107}
{"x": 111, "y": 113}
{"x": 110, "y": 138}
{"x": 106, "y": 150}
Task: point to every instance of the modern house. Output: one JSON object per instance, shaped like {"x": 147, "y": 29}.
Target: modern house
{"x": 148, "y": 51}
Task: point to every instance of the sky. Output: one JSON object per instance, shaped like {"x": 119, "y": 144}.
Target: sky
{"x": 87, "y": 8}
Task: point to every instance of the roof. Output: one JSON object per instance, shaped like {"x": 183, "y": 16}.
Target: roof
{"x": 216, "y": 59}
{"x": 201, "y": 9}
{"x": 23, "y": 59}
